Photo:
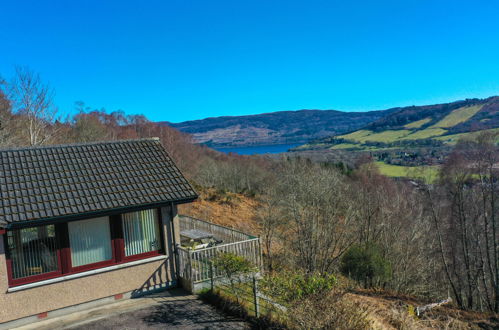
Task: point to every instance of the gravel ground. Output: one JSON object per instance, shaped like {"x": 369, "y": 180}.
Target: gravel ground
{"x": 178, "y": 314}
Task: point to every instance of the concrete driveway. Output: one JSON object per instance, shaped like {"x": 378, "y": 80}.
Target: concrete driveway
{"x": 173, "y": 309}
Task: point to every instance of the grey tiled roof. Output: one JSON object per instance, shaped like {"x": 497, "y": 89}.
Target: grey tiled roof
{"x": 57, "y": 181}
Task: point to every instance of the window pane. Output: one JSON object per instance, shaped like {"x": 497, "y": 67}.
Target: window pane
{"x": 33, "y": 251}
{"x": 141, "y": 232}
{"x": 90, "y": 241}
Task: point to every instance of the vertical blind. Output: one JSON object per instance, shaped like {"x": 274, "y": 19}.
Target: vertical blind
{"x": 33, "y": 251}
{"x": 90, "y": 241}
{"x": 141, "y": 232}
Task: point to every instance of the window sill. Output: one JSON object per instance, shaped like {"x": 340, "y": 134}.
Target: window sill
{"x": 87, "y": 273}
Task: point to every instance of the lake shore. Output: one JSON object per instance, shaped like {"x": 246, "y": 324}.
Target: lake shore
{"x": 258, "y": 150}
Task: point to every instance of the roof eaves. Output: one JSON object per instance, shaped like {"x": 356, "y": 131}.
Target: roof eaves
{"x": 84, "y": 215}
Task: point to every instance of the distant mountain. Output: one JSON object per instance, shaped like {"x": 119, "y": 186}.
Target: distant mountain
{"x": 282, "y": 127}
{"x": 418, "y": 126}
{"x": 460, "y": 116}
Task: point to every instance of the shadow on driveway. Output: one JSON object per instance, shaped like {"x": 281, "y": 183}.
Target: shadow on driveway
{"x": 176, "y": 314}
{"x": 193, "y": 313}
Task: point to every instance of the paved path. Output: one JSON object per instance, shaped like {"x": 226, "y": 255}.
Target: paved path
{"x": 172, "y": 310}
{"x": 178, "y": 314}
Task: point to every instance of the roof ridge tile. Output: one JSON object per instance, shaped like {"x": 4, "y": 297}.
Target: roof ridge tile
{"x": 80, "y": 144}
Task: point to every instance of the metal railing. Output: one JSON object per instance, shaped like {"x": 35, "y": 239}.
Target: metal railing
{"x": 195, "y": 265}
{"x": 228, "y": 235}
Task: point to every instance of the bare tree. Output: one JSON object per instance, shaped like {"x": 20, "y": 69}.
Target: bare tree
{"x": 7, "y": 123}
{"x": 464, "y": 213}
{"x": 486, "y": 158}
{"x": 316, "y": 204}
{"x": 88, "y": 125}
{"x": 33, "y": 99}
{"x": 373, "y": 198}
{"x": 272, "y": 222}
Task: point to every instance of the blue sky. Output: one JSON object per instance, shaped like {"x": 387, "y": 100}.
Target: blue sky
{"x": 182, "y": 60}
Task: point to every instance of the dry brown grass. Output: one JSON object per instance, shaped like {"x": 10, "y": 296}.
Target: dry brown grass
{"x": 332, "y": 311}
{"x": 224, "y": 208}
{"x": 391, "y": 311}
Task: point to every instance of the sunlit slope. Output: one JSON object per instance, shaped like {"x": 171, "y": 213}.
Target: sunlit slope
{"x": 458, "y": 116}
{"x": 425, "y": 133}
{"x": 414, "y": 130}
{"x": 413, "y": 125}
{"x": 366, "y": 135}
{"x": 453, "y": 138}
{"x": 417, "y": 123}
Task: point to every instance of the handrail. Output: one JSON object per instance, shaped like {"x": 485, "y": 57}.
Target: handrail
{"x": 219, "y": 246}
{"x": 216, "y": 225}
{"x": 195, "y": 265}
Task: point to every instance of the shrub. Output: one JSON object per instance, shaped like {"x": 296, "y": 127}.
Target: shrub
{"x": 332, "y": 310}
{"x": 365, "y": 264}
{"x": 230, "y": 306}
{"x": 314, "y": 301}
{"x": 289, "y": 287}
{"x": 233, "y": 267}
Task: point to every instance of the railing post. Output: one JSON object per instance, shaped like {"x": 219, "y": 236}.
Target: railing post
{"x": 211, "y": 276}
{"x": 178, "y": 262}
{"x": 255, "y": 296}
{"x": 260, "y": 256}
{"x": 189, "y": 267}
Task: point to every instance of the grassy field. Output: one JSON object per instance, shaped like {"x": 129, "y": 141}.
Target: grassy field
{"x": 425, "y": 133}
{"x": 388, "y": 136}
{"x": 453, "y": 138}
{"x": 356, "y": 136}
{"x": 416, "y": 130}
{"x": 417, "y": 124}
{"x": 458, "y": 116}
{"x": 455, "y": 117}
{"x": 385, "y": 136}
{"x": 345, "y": 146}
{"x": 428, "y": 173}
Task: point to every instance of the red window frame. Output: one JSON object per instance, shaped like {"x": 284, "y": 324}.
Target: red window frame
{"x": 33, "y": 278}
{"x": 151, "y": 254}
{"x": 64, "y": 252}
{"x": 69, "y": 268}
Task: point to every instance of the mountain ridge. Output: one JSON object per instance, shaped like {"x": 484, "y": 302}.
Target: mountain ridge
{"x": 280, "y": 127}
{"x": 313, "y": 125}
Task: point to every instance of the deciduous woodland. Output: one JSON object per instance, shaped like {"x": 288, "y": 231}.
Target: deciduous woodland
{"x": 429, "y": 240}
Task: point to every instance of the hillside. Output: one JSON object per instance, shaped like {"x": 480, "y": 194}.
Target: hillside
{"x": 224, "y": 208}
{"x": 384, "y": 309}
{"x": 442, "y": 122}
{"x": 433, "y": 126}
{"x": 282, "y": 127}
